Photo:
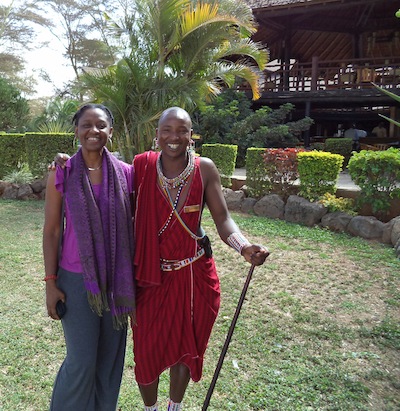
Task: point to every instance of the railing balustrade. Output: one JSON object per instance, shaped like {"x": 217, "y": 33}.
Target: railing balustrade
{"x": 331, "y": 75}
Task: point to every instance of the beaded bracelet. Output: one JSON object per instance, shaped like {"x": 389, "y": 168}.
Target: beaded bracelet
{"x": 237, "y": 241}
{"x": 50, "y": 277}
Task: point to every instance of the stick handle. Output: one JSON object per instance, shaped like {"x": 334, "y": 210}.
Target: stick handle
{"x": 228, "y": 339}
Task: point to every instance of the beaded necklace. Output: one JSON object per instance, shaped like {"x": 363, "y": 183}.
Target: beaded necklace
{"x": 174, "y": 205}
{"x": 177, "y": 181}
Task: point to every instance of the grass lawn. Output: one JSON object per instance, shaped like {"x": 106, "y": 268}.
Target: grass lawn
{"x": 319, "y": 329}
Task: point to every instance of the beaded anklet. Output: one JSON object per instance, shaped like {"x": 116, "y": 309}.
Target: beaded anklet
{"x": 174, "y": 406}
{"x": 151, "y": 407}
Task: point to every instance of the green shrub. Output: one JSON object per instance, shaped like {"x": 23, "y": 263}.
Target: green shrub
{"x": 12, "y": 152}
{"x": 318, "y": 172}
{"x": 333, "y": 203}
{"x": 41, "y": 149}
{"x": 21, "y": 176}
{"x": 342, "y": 146}
{"x": 318, "y": 146}
{"x": 377, "y": 173}
{"x": 256, "y": 175}
{"x": 224, "y": 157}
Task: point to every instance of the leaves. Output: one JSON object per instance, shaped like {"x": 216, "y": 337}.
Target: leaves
{"x": 179, "y": 53}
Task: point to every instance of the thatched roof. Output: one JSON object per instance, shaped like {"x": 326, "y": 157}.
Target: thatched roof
{"x": 329, "y": 29}
{"x": 268, "y": 3}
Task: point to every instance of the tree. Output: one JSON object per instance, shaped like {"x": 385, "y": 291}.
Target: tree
{"x": 215, "y": 120}
{"x": 229, "y": 120}
{"x": 267, "y": 128}
{"x": 17, "y": 21}
{"x": 178, "y": 52}
{"x": 57, "y": 116}
{"x": 14, "y": 109}
{"x": 83, "y": 32}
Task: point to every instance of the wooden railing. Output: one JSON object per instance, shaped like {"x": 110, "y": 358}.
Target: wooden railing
{"x": 332, "y": 75}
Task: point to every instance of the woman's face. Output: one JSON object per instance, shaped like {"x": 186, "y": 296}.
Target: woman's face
{"x": 93, "y": 129}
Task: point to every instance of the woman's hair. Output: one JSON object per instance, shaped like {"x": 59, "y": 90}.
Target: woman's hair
{"x": 79, "y": 113}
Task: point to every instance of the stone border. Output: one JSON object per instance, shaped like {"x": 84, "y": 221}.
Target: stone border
{"x": 296, "y": 210}
{"x": 301, "y": 211}
{"x": 33, "y": 191}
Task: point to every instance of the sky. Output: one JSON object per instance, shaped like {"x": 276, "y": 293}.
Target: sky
{"x": 50, "y": 59}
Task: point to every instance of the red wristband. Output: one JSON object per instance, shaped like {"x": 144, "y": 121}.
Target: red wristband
{"x": 50, "y": 277}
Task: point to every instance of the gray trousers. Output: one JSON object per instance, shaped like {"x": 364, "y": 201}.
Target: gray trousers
{"x": 90, "y": 377}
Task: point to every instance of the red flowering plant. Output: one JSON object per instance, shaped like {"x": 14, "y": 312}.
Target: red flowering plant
{"x": 281, "y": 169}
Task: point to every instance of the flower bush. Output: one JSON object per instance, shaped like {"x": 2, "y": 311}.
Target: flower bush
{"x": 281, "y": 168}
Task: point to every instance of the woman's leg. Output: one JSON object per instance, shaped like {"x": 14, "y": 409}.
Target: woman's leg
{"x": 74, "y": 388}
{"x": 110, "y": 364}
{"x": 179, "y": 380}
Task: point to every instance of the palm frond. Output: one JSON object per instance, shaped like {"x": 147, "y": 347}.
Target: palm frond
{"x": 387, "y": 92}
{"x": 391, "y": 120}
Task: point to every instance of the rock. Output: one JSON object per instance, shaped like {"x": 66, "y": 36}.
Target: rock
{"x": 38, "y": 185}
{"x": 395, "y": 233}
{"x": 397, "y": 248}
{"x": 368, "y": 227}
{"x": 301, "y": 211}
{"x": 271, "y": 206}
{"x": 42, "y": 195}
{"x": 3, "y": 186}
{"x": 10, "y": 192}
{"x": 387, "y": 232}
{"x": 25, "y": 192}
{"x": 248, "y": 205}
{"x": 233, "y": 198}
{"x": 337, "y": 221}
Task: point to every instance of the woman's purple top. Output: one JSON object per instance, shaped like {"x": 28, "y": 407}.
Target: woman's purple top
{"x": 70, "y": 260}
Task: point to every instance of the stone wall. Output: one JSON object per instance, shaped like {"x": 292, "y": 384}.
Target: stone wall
{"x": 301, "y": 211}
{"x": 295, "y": 210}
{"x": 33, "y": 191}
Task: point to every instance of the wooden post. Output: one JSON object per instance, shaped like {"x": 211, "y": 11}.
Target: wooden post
{"x": 314, "y": 73}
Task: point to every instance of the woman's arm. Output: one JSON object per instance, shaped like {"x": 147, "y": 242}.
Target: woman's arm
{"x": 253, "y": 253}
{"x": 51, "y": 234}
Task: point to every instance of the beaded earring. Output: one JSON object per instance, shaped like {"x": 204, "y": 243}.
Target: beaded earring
{"x": 155, "y": 145}
{"x": 191, "y": 146}
{"x": 75, "y": 142}
{"x": 110, "y": 143}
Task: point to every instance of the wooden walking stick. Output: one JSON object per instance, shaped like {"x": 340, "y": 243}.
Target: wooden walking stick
{"x": 228, "y": 339}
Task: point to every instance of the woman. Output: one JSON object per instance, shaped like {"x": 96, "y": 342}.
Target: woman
{"x": 94, "y": 277}
{"x": 178, "y": 292}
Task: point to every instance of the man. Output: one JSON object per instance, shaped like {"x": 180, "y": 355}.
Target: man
{"x": 355, "y": 134}
{"x": 380, "y": 130}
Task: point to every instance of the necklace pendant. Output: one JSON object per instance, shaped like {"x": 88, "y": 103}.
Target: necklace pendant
{"x": 95, "y": 168}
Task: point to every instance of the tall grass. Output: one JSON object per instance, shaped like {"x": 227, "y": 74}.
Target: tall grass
{"x": 319, "y": 329}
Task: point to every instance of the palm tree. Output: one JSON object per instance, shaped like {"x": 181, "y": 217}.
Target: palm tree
{"x": 56, "y": 117}
{"x": 179, "y": 52}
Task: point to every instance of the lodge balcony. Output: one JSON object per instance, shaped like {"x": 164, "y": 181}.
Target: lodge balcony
{"x": 338, "y": 76}
{"x": 334, "y": 91}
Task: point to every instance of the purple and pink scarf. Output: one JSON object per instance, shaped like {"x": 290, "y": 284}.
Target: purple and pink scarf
{"x": 104, "y": 233}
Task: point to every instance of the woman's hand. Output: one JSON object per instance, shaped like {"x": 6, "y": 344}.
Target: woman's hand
{"x": 255, "y": 254}
{"x": 53, "y": 295}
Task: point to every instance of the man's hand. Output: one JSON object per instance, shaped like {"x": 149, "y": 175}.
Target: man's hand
{"x": 255, "y": 254}
{"x": 59, "y": 160}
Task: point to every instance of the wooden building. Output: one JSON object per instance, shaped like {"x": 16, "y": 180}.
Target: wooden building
{"x": 324, "y": 56}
